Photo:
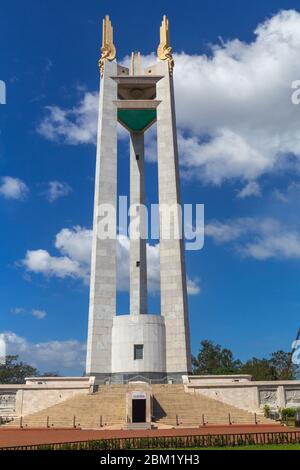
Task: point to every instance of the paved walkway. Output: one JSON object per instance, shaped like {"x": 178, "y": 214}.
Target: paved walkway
{"x": 23, "y": 437}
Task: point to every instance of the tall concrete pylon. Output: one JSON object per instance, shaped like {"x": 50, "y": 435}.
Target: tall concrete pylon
{"x": 138, "y": 344}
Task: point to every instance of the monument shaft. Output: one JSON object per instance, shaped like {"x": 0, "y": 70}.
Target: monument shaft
{"x": 137, "y": 344}
{"x": 138, "y": 258}
{"x": 174, "y": 305}
{"x": 103, "y": 264}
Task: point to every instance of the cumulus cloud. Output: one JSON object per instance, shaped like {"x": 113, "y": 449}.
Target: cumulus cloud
{"x": 280, "y": 245}
{"x": 75, "y": 243}
{"x": 57, "y": 189}
{"x": 40, "y": 261}
{"x": 74, "y": 126}
{"x": 234, "y": 109}
{"x": 69, "y": 354}
{"x": 257, "y": 238}
{"x": 228, "y": 103}
{"x": 74, "y": 246}
{"x": 13, "y": 188}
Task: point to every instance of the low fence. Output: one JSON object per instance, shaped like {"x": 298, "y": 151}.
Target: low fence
{"x": 172, "y": 442}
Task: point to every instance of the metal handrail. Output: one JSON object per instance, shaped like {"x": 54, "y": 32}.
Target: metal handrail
{"x": 109, "y": 381}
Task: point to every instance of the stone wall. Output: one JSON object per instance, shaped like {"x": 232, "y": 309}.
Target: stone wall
{"x": 241, "y": 392}
{"x": 292, "y": 397}
{"x": 40, "y": 393}
{"x": 244, "y": 398}
{"x": 148, "y": 330}
{"x": 7, "y": 402}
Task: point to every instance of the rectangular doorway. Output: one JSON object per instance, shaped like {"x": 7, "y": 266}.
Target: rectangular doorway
{"x": 139, "y": 411}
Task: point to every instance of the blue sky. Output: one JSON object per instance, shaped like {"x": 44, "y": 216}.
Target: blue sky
{"x": 239, "y": 151}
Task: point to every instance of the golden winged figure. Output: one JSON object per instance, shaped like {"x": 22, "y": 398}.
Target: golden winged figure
{"x": 108, "y": 50}
{"x": 164, "y": 50}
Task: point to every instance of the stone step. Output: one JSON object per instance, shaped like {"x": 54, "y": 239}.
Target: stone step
{"x": 107, "y": 407}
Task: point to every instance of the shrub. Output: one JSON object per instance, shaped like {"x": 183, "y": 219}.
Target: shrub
{"x": 288, "y": 413}
{"x": 267, "y": 410}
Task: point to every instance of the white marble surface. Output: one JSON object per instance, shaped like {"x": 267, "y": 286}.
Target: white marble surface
{"x": 129, "y": 330}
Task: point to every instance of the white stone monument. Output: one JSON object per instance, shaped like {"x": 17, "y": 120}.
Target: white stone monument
{"x": 153, "y": 347}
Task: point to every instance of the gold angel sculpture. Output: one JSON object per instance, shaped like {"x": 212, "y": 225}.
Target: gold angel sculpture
{"x": 108, "y": 50}
{"x": 164, "y": 51}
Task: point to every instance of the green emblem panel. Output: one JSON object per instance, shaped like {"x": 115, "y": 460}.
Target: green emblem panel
{"x": 136, "y": 120}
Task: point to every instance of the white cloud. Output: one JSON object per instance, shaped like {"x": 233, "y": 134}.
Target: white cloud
{"x": 226, "y": 155}
{"x": 39, "y": 314}
{"x": 257, "y": 238}
{"x": 234, "y": 109}
{"x": 223, "y": 232}
{"x": 193, "y": 287}
{"x": 74, "y": 246}
{"x": 281, "y": 245}
{"x": 13, "y": 188}
{"x": 251, "y": 189}
{"x": 18, "y": 310}
{"x": 75, "y": 243}
{"x": 239, "y": 99}
{"x": 46, "y": 356}
{"x": 56, "y": 190}
{"x": 74, "y": 126}
{"x": 40, "y": 261}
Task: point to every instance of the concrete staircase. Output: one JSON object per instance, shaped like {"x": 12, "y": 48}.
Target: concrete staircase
{"x": 173, "y": 406}
{"x": 107, "y": 408}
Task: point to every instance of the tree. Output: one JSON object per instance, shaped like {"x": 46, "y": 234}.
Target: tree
{"x": 14, "y": 372}
{"x": 282, "y": 363}
{"x": 213, "y": 359}
{"x": 278, "y": 367}
{"x": 260, "y": 369}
